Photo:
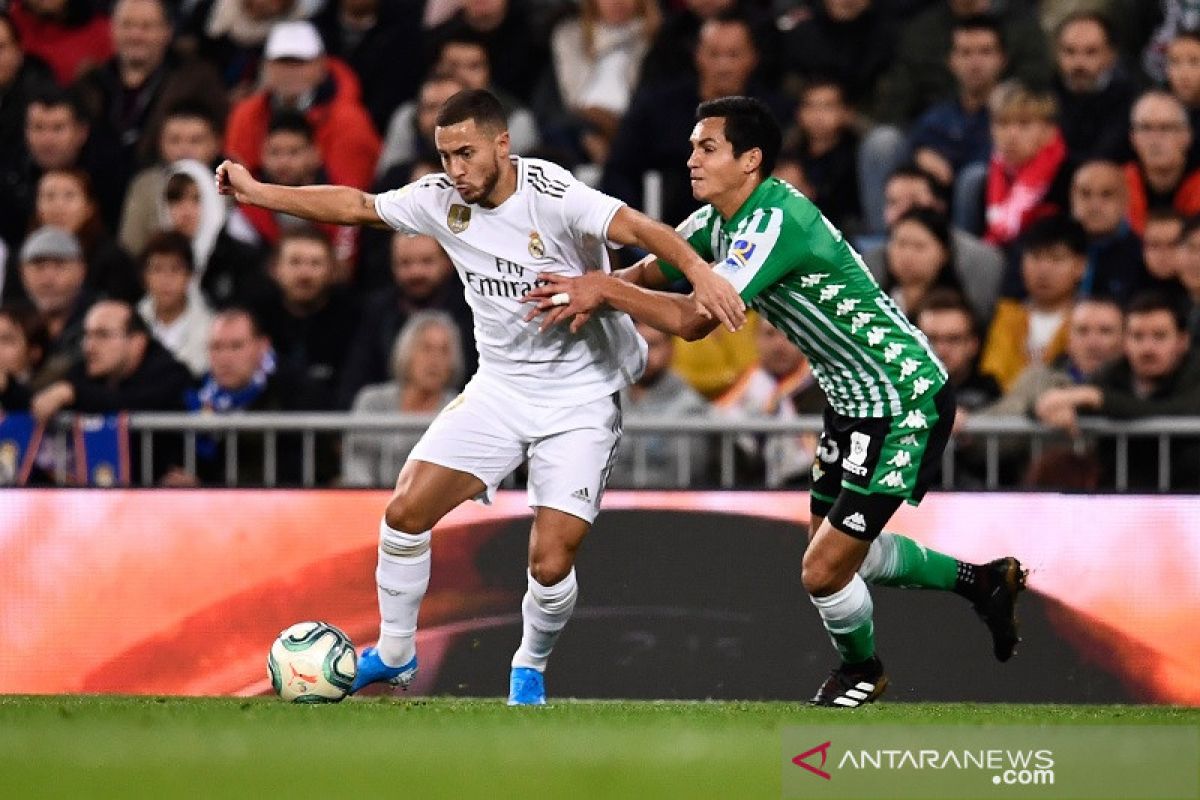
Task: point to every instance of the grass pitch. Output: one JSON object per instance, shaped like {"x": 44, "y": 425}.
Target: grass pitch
{"x": 97, "y": 747}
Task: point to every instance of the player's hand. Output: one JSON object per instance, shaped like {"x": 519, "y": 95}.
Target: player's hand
{"x": 234, "y": 179}
{"x": 718, "y": 299}
{"x": 562, "y": 297}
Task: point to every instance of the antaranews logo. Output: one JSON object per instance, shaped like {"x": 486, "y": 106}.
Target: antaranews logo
{"x": 800, "y": 761}
{"x": 1008, "y": 767}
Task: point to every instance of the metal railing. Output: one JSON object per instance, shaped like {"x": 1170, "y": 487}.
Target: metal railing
{"x": 990, "y": 439}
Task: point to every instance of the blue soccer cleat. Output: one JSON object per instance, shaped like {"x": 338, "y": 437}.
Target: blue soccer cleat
{"x": 526, "y": 687}
{"x": 371, "y": 669}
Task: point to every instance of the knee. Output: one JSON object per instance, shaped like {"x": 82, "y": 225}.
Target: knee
{"x": 820, "y": 575}
{"x": 402, "y": 514}
{"x": 549, "y": 568}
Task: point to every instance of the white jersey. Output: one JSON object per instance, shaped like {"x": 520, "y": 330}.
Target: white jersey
{"x": 552, "y": 223}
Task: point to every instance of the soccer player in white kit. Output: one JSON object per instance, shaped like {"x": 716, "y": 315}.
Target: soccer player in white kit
{"x": 551, "y": 399}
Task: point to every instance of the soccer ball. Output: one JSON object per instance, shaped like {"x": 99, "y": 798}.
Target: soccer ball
{"x": 312, "y": 662}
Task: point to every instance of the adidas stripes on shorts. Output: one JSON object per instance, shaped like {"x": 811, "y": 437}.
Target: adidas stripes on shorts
{"x": 488, "y": 432}
{"x": 867, "y": 467}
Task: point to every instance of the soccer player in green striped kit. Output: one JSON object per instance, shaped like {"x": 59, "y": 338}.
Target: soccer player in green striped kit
{"x": 890, "y": 409}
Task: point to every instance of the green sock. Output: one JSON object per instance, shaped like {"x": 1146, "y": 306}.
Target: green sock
{"x": 847, "y": 615}
{"x": 896, "y": 560}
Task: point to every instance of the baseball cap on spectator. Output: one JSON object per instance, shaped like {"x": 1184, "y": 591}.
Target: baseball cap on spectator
{"x": 297, "y": 39}
{"x": 49, "y": 242}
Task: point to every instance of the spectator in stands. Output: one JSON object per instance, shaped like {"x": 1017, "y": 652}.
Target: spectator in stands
{"x": 1183, "y": 78}
{"x": 780, "y": 386}
{"x": 310, "y": 321}
{"x": 52, "y": 274}
{"x": 22, "y": 344}
{"x": 1028, "y": 171}
{"x": 69, "y": 35}
{"x": 296, "y": 74}
{"x": 1093, "y": 90}
{"x": 176, "y": 314}
{"x": 65, "y": 200}
{"x": 852, "y": 40}
{"x": 946, "y": 320}
{"x": 229, "y": 271}
{"x": 822, "y": 149}
{"x": 1167, "y": 17}
{"x": 410, "y": 132}
{"x": 423, "y": 279}
{"x": 21, "y": 76}
{"x": 231, "y": 34}
{"x": 427, "y": 371}
{"x": 131, "y": 90}
{"x": 1158, "y": 375}
{"x": 672, "y": 55}
{"x": 1189, "y": 274}
{"x": 290, "y": 158}
{"x": 506, "y": 30}
{"x": 1099, "y": 202}
{"x": 379, "y": 40}
{"x": 1053, "y": 258}
{"x": 654, "y": 460}
{"x": 123, "y": 369}
{"x": 952, "y": 141}
{"x": 980, "y": 265}
{"x": 1094, "y": 336}
{"x": 1161, "y": 250}
{"x": 919, "y": 258}
{"x": 598, "y": 56}
{"x": 1160, "y": 177}
{"x": 245, "y": 377}
{"x": 188, "y": 131}
{"x": 662, "y": 115}
{"x": 57, "y": 136}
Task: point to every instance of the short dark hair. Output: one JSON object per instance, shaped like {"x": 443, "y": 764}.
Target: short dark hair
{"x": 819, "y": 81}
{"x": 749, "y": 123}
{"x": 177, "y": 184}
{"x": 1050, "y": 231}
{"x": 1088, "y": 15}
{"x": 53, "y": 97}
{"x": 981, "y": 22}
{"x": 479, "y": 105}
{"x": 236, "y": 311}
{"x": 909, "y": 169}
{"x": 946, "y": 298}
{"x": 169, "y": 243}
{"x": 306, "y": 233}
{"x": 1151, "y": 300}
{"x": 31, "y": 324}
{"x": 289, "y": 120}
{"x": 191, "y": 109}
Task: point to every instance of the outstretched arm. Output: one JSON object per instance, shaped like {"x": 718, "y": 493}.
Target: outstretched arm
{"x": 337, "y": 205}
{"x": 716, "y": 296}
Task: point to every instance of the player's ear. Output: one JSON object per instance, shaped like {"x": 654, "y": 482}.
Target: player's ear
{"x": 751, "y": 160}
{"x": 503, "y": 144}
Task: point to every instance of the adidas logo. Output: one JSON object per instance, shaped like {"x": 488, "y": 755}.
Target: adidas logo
{"x": 852, "y": 698}
{"x": 582, "y": 494}
{"x": 855, "y": 522}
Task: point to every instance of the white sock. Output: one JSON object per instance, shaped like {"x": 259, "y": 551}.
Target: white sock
{"x": 545, "y": 611}
{"x": 882, "y": 560}
{"x": 847, "y": 616}
{"x": 401, "y": 577}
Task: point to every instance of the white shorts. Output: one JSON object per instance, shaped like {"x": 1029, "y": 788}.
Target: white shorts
{"x": 488, "y": 433}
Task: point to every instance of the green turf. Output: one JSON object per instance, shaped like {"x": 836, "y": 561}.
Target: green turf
{"x": 84, "y": 747}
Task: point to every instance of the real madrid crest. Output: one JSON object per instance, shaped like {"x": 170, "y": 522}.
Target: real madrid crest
{"x": 536, "y": 248}
{"x": 459, "y": 218}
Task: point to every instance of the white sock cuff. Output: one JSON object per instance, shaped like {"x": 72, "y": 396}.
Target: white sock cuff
{"x": 412, "y": 547}
{"x": 882, "y": 560}
{"x": 846, "y": 608}
{"x": 556, "y": 596}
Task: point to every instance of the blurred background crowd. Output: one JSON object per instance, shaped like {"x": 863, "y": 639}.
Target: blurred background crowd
{"x": 1022, "y": 177}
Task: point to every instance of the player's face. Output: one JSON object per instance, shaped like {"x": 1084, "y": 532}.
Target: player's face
{"x": 777, "y": 354}
{"x": 1094, "y": 336}
{"x": 430, "y": 365}
{"x": 949, "y": 332}
{"x": 234, "y": 351}
{"x": 713, "y": 169}
{"x": 471, "y": 156}
{"x": 419, "y": 265}
{"x": 1154, "y": 345}
{"x": 1098, "y": 198}
{"x": 1160, "y": 247}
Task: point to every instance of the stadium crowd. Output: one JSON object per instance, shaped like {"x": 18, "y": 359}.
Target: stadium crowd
{"x": 1022, "y": 177}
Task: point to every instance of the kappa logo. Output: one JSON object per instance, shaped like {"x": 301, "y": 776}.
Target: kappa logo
{"x": 894, "y": 480}
{"x": 855, "y": 522}
{"x": 458, "y": 218}
{"x": 800, "y": 760}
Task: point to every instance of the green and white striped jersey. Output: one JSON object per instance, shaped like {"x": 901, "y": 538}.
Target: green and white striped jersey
{"x": 795, "y": 268}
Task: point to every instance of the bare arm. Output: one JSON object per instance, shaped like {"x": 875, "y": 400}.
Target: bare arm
{"x": 337, "y": 205}
{"x": 715, "y": 295}
{"x": 644, "y": 273}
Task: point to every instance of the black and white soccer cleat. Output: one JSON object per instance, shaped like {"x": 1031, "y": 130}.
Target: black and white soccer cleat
{"x": 998, "y": 584}
{"x": 852, "y": 685}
